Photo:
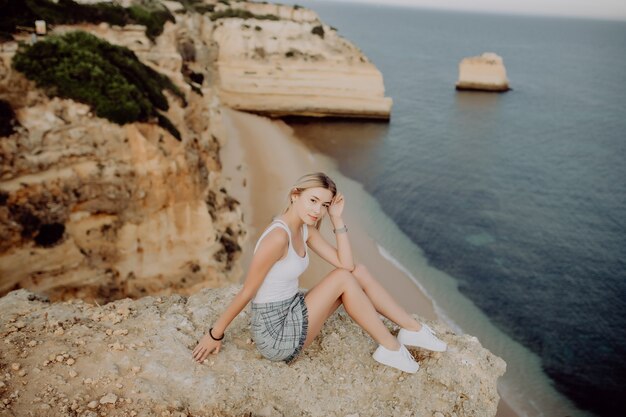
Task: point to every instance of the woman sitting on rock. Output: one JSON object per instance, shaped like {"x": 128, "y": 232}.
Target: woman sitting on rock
{"x": 284, "y": 320}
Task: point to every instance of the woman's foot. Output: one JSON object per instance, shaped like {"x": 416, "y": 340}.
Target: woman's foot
{"x": 400, "y": 359}
{"x": 424, "y": 338}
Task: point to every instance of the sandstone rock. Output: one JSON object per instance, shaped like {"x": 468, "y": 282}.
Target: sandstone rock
{"x": 110, "y": 398}
{"x": 294, "y": 66}
{"x": 485, "y": 72}
{"x": 130, "y": 210}
{"x": 319, "y": 383}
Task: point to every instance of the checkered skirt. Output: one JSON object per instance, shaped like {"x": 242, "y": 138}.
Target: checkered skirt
{"x": 279, "y": 328}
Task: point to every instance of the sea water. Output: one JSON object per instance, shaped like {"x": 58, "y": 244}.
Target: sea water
{"x": 508, "y": 209}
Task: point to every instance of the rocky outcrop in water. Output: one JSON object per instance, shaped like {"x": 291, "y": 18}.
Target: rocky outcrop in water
{"x": 134, "y": 358}
{"x": 483, "y": 73}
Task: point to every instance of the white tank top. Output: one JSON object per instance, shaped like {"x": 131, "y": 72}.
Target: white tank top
{"x": 281, "y": 282}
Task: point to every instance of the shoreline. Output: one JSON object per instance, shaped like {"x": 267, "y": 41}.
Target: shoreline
{"x": 261, "y": 158}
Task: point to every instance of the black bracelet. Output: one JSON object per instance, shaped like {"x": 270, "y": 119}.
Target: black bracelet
{"x": 210, "y": 334}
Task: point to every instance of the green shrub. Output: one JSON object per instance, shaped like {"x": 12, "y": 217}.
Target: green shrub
{"x": 228, "y": 13}
{"x": 153, "y": 20}
{"x": 241, "y": 14}
{"x": 318, "y": 30}
{"x": 109, "y": 78}
{"x": 197, "y": 6}
{"x": 25, "y": 12}
{"x": 206, "y": 8}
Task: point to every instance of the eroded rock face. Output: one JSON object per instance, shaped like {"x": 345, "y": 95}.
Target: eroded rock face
{"x": 484, "y": 73}
{"x": 134, "y": 358}
{"x": 95, "y": 210}
{"x": 294, "y": 66}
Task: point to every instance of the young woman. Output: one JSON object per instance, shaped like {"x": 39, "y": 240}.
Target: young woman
{"x": 284, "y": 321}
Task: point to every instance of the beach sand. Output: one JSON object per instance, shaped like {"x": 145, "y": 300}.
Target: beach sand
{"x": 261, "y": 159}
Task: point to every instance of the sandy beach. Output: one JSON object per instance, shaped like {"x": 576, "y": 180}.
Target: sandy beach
{"x": 261, "y": 159}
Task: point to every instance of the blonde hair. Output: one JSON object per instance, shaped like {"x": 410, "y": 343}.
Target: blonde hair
{"x": 315, "y": 180}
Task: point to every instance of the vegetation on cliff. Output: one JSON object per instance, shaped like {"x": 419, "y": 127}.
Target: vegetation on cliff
{"x": 23, "y": 13}
{"x": 241, "y": 14}
{"x": 109, "y": 78}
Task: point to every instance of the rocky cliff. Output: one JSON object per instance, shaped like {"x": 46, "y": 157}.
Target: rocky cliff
{"x": 133, "y": 358}
{"x": 293, "y": 65}
{"x": 93, "y": 209}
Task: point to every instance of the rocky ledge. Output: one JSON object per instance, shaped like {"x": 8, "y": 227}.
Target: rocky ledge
{"x": 133, "y": 358}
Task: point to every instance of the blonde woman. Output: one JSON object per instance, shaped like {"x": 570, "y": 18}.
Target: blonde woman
{"x": 284, "y": 320}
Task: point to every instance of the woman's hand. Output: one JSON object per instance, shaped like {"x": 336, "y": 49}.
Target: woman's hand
{"x": 206, "y": 345}
{"x": 336, "y": 206}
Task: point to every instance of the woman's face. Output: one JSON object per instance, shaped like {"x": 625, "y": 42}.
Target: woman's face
{"x": 312, "y": 204}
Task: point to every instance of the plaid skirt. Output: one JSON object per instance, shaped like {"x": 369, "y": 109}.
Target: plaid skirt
{"x": 279, "y": 328}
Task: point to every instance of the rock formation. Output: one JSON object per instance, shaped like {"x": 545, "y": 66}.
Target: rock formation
{"x": 485, "y": 73}
{"x": 295, "y": 65}
{"x": 92, "y": 209}
{"x": 133, "y": 358}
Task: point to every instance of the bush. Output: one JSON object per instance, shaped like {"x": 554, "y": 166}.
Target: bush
{"x": 153, "y": 20}
{"x": 197, "y": 6}
{"x": 109, "y": 78}
{"x": 25, "y": 12}
{"x": 318, "y": 30}
{"x": 241, "y": 14}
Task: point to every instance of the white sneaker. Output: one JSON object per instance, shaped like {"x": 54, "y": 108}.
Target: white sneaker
{"x": 424, "y": 338}
{"x": 400, "y": 359}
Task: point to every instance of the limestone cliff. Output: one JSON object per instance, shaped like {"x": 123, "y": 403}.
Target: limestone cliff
{"x": 485, "y": 73}
{"x": 295, "y": 65}
{"x": 92, "y": 209}
{"x": 134, "y": 358}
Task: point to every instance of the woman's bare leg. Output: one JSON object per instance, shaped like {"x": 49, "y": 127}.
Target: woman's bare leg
{"x": 383, "y": 302}
{"x": 338, "y": 287}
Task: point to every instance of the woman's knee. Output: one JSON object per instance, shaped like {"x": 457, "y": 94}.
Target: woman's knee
{"x": 360, "y": 269}
{"x": 343, "y": 277}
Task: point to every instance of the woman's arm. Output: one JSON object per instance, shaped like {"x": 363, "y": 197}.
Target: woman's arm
{"x": 341, "y": 256}
{"x": 270, "y": 250}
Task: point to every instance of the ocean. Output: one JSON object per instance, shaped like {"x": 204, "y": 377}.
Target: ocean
{"x": 508, "y": 209}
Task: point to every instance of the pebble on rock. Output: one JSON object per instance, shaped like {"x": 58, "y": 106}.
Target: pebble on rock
{"x": 110, "y": 398}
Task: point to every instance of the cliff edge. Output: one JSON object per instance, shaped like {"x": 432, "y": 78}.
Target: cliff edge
{"x": 134, "y": 358}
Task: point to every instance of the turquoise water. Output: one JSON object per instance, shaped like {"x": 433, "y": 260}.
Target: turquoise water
{"x": 516, "y": 202}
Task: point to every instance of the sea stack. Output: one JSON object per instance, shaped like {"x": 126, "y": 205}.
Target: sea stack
{"x": 483, "y": 73}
